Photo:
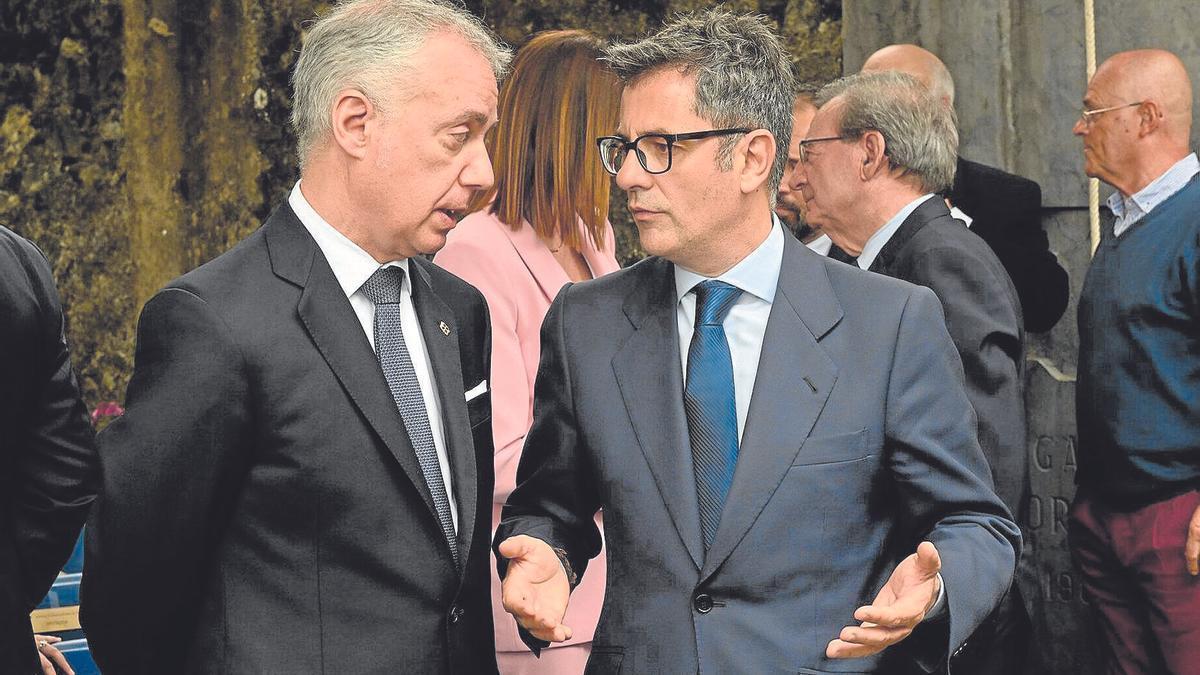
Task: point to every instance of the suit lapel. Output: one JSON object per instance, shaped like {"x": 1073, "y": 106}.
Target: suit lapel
{"x": 441, "y": 343}
{"x": 793, "y": 383}
{"x": 546, "y": 271}
{"x": 648, "y": 374}
{"x": 927, "y": 211}
{"x": 333, "y": 327}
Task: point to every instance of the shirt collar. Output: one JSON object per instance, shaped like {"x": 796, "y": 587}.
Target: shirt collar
{"x": 757, "y": 273}
{"x": 884, "y": 234}
{"x": 351, "y": 265}
{"x": 821, "y": 244}
{"x": 1158, "y": 191}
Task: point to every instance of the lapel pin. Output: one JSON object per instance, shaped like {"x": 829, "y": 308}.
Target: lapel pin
{"x": 444, "y": 327}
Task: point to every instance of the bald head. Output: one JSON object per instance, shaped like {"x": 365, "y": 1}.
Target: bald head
{"x": 920, "y": 63}
{"x": 1152, "y": 75}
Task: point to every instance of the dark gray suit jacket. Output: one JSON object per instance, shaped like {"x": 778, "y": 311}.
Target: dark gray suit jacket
{"x": 262, "y": 509}
{"x": 859, "y": 443}
{"x": 983, "y": 315}
{"x": 47, "y": 451}
{"x": 1006, "y": 211}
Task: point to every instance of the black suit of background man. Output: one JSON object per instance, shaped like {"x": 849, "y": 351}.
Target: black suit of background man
{"x": 983, "y": 316}
{"x": 263, "y": 509}
{"x": 1006, "y": 213}
{"x": 46, "y": 446}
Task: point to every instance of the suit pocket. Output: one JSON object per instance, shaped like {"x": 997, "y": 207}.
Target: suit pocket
{"x": 604, "y": 660}
{"x": 830, "y": 449}
{"x": 479, "y": 409}
{"x": 810, "y": 671}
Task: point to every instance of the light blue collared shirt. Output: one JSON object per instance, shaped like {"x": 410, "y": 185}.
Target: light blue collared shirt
{"x": 1129, "y": 211}
{"x": 881, "y": 237}
{"x": 758, "y": 276}
{"x": 746, "y": 323}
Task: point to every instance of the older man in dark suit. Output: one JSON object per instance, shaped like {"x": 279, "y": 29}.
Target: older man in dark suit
{"x": 781, "y": 444}
{"x": 300, "y": 481}
{"x": 879, "y": 152}
{"x": 1002, "y": 208}
{"x": 47, "y": 455}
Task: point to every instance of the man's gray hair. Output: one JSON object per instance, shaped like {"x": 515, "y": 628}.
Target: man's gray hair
{"x": 367, "y": 45}
{"x": 919, "y": 132}
{"x": 743, "y": 75}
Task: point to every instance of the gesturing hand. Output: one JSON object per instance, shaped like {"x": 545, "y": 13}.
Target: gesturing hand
{"x": 901, "y": 604}
{"x": 536, "y": 589}
{"x": 49, "y": 655}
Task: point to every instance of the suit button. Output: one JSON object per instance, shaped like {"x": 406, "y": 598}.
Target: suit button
{"x": 456, "y": 613}
{"x": 703, "y": 603}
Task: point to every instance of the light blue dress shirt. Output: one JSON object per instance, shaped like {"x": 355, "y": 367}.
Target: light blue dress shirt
{"x": 1129, "y": 211}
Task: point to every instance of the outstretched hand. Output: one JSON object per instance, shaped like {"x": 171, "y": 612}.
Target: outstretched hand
{"x": 536, "y": 589}
{"x": 902, "y": 603}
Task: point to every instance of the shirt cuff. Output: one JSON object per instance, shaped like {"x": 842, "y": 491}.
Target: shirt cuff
{"x": 939, "y": 606}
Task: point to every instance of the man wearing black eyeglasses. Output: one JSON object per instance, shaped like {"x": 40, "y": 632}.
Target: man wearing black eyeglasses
{"x": 781, "y": 444}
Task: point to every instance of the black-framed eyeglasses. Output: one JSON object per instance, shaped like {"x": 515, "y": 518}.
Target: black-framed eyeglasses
{"x": 1089, "y": 116}
{"x": 653, "y": 150}
{"x": 805, "y": 142}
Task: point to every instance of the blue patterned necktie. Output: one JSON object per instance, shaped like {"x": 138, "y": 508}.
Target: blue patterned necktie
{"x": 383, "y": 289}
{"x": 708, "y": 402}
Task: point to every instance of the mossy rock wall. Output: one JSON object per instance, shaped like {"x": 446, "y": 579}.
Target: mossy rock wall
{"x": 141, "y": 138}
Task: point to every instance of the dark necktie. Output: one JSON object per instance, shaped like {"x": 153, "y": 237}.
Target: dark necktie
{"x": 836, "y": 253}
{"x": 383, "y": 289}
{"x": 708, "y": 401}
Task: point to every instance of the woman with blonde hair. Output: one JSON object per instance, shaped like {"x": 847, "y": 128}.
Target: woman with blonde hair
{"x": 542, "y": 225}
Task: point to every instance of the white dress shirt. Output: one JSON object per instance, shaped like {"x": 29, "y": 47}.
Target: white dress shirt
{"x": 958, "y": 213}
{"x": 758, "y": 276}
{"x": 884, "y": 234}
{"x": 1129, "y": 211}
{"x": 821, "y": 244}
{"x": 352, "y": 266}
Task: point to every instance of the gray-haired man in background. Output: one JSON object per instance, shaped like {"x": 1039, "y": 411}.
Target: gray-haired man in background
{"x": 880, "y": 150}
{"x": 781, "y": 443}
{"x": 301, "y": 480}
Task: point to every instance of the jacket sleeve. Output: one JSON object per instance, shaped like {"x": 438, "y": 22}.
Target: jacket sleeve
{"x": 54, "y": 451}
{"x": 555, "y": 499}
{"x": 984, "y": 321}
{"x": 943, "y": 479}
{"x": 171, "y": 468}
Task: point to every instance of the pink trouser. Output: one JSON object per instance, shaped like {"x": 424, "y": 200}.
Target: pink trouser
{"x": 1135, "y": 575}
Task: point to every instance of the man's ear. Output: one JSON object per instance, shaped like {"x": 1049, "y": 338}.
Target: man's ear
{"x": 755, "y": 162}
{"x": 1150, "y": 118}
{"x": 352, "y": 111}
{"x": 874, "y": 155}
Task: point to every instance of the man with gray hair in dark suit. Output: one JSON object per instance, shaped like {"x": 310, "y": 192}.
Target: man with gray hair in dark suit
{"x": 880, "y": 151}
{"x": 781, "y": 444}
{"x": 301, "y": 480}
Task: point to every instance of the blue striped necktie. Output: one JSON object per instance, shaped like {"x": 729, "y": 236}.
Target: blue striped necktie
{"x": 708, "y": 402}
{"x": 383, "y": 289}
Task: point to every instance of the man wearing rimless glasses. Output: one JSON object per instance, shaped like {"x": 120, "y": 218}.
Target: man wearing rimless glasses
{"x": 781, "y": 444}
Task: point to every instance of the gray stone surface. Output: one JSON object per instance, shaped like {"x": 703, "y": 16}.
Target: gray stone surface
{"x": 1020, "y": 73}
{"x": 1020, "y": 70}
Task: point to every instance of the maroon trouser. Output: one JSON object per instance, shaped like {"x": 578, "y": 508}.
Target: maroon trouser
{"x": 1136, "y": 577}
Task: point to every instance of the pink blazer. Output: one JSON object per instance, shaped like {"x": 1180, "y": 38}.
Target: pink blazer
{"x": 519, "y": 277}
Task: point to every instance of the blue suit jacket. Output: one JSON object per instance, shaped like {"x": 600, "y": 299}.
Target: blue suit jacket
{"x": 859, "y": 443}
